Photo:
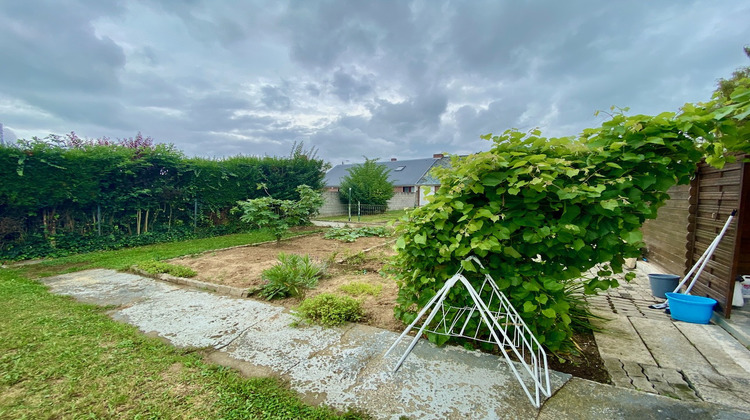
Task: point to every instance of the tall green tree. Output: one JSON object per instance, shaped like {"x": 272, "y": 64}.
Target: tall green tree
{"x": 369, "y": 184}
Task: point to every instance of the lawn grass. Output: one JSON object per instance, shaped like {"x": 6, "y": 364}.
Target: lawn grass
{"x": 64, "y": 359}
{"x": 386, "y": 217}
{"x": 122, "y": 259}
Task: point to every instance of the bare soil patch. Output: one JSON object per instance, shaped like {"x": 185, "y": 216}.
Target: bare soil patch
{"x": 359, "y": 261}
{"x": 347, "y": 263}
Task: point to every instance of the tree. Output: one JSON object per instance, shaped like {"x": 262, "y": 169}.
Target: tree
{"x": 369, "y": 184}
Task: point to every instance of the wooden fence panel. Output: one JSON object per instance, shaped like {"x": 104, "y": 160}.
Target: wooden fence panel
{"x": 693, "y": 217}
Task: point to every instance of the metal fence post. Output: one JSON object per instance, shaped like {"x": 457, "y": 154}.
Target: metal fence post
{"x": 99, "y": 219}
{"x": 359, "y": 211}
{"x": 350, "y": 204}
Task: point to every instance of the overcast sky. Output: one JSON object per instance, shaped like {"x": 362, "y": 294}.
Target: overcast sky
{"x": 402, "y": 79}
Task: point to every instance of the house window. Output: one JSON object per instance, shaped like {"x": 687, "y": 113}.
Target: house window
{"x": 400, "y": 168}
{"x": 408, "y": 189}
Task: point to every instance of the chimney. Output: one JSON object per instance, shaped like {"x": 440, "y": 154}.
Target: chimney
{"x": 438, "y": 156}
{"x": 393, "y": 159}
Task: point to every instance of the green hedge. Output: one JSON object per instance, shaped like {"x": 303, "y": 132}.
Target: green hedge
{"x": 65, "y": 197}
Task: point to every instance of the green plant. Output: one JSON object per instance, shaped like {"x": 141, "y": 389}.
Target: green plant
{"x": 292, "y": 276}
{"x": 368, "y": 182}
{"x": 159, "y": 267}
{"x": 347, "y": 234}
{"x": 539, "y": 211}
{"x": 330, "y": 310}
{"x": 279, "y": 215}
{"x": 359, "y": 288}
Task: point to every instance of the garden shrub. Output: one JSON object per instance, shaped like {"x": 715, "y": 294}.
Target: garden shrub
{"x": 540, "y": 212}
{"x": 330, "y": 310}
{"x": 279, "y": 215}
{"x": 159, "y": 267}
{"x": 292, "y": 276}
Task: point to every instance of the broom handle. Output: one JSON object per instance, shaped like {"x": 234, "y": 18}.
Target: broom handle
{"x": 712, "y": 248}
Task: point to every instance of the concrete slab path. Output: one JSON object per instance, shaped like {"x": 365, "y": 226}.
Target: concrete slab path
{"x": 344, "y": 367}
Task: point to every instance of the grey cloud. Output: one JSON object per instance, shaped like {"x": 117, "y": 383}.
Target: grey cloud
{"x": 323, "y": 32}
{"x": 275, "y": 98}
{"x": 431, "y": 75}
{"x": 414, "y": 114}
{"x": 347, "y": 87}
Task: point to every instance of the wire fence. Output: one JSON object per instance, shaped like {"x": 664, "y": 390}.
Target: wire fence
{"x": 358, "y": 210}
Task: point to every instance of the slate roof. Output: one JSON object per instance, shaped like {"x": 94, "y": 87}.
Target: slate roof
{"x": 429, "y": 178}
{"x": 410, "y": 173}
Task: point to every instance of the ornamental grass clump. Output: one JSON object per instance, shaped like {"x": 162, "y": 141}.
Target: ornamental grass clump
{"x": 291, "y": 277}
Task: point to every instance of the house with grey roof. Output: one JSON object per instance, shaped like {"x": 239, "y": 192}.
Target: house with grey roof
{"x": 411, "y": 180}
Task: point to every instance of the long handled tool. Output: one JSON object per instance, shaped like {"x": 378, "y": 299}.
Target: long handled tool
{"x": 699, "y": 265}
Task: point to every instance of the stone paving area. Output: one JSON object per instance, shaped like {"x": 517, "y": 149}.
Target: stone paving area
{"x": 645, "y": 350}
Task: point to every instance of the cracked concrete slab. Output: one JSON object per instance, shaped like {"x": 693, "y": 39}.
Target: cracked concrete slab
{"x": 619, "y": 340}
{"x": 723, "y": 351}
{"x": 105, "y": 287}
{"x": 446, "y": 382}
{"x": 669, "y": 347}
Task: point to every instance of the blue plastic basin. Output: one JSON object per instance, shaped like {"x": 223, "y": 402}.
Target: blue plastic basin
{"x": 689, "y": 308}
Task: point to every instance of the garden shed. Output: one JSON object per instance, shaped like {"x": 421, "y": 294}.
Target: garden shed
{"x": 692, "y": 218}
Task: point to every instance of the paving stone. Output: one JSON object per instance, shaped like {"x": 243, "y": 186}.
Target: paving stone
{"x": 665, "y": 389}
{"x": 633, "y": 369}
{"x": 724, "y": 352}
{"x": 617, "y": 374}
{"x": 619, "y": 340}
{"x": 641, "y": 383}
{"x": 685, "y": 392}
{"x": 668, "y": 346}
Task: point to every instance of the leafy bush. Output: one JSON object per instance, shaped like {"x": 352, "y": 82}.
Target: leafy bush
{"x": 279, "y": 215}
{"x": 539, "y": 212}
{"x": 369, "y": 184}
{"x": 292, "y": 276}
{"x": 359, "y": 288}
{"x": 330, "y": 310}
{"x": 347, "y": 234}
{"x": 159, "y": 267}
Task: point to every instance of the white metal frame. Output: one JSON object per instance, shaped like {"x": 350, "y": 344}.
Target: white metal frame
{"x": 499, "y": 323}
